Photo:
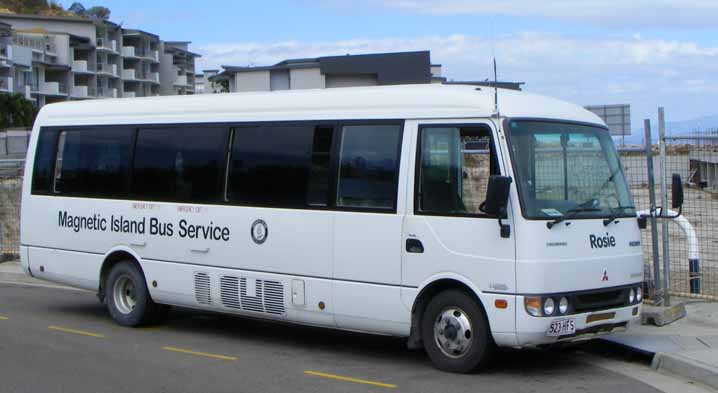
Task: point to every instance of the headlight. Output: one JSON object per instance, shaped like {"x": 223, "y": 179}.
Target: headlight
{"x": 548, "y": 306}
{"x": 563, "y": 305}
{"x": 639, "y": 294}
{"x": 533, "y": 306}
{"x": 631, "y": 296}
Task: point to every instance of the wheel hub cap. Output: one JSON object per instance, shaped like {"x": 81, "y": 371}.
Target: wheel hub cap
{"x": 125, "y": 294}
{"x": 453, "y": 332}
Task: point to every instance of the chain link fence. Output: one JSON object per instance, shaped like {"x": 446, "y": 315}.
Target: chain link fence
{"x": 10, "y": 197}
{"x": 692, "y": 253}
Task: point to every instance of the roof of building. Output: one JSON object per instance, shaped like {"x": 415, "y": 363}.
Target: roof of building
{"x": 422, "y": 101}
{"x": 174, "y": 49}
{"x": 139, "y": 32}
{"x": 72, "y": 19}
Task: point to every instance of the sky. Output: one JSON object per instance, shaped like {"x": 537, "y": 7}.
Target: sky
{"x": 647, "y": 53}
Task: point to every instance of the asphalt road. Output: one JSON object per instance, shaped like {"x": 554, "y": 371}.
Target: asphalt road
{"x": 58, "y": 340}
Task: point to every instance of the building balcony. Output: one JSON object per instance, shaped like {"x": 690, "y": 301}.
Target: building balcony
{"x": 129, "y": 51}
{"x": 129, "y": 74}
{"x": 6, "y": 84}
{"x": 107, "y": 45}
{"x": 181, "y": 80}
{"x": 107, "y": 69}
{"x": 52, "y": 88}
{"x": 83, "y": 92}
{"x": 153, "y": 77}
{"x": 128, "y": 94}
{"x": 81, "y": 66}
{"x": 107, "y": 93}
{"x": 5, "y": 52}
{"x": 154, "y": 56}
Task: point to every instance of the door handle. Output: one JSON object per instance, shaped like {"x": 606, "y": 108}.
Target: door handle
{"x": 414, "y": 246}
{"x": 138, "y": 244}
{"x": 200, "y": 250}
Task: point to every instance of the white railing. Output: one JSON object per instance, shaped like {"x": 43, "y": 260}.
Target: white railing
{"x": 128, "y": 51}
{"x": 155, "y": 55}
{"x": 128, "y": 74}
{"x": 80, "y": 91}
{"x": 129, "y": 94}
{"x": 6, "y": 83}
{"x": 50, "y": 87}
{"x": 181, "y": 80}
{"x": 154, "y": 77}
{"x": 79, "y": 66}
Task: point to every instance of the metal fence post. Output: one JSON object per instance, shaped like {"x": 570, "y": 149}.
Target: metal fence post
{"x": 652, "y": 199}
{"x": 664, "y": 207}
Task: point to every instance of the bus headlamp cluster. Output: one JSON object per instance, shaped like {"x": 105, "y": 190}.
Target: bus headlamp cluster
{"x": 538, "y": 306}
{"x": 635, "y": 295}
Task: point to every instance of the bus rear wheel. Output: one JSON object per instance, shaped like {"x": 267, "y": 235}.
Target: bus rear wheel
{"x": 456, "y": 333}
{"x": 128, "y": 299}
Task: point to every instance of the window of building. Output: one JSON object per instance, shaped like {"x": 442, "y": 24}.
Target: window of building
{"x": 280, "y": 166}
{"x": 368, "y": 166}
{"x": 93, "y": 162}
{"x": 180, "y": 164}
{"x": 454, "y": 169}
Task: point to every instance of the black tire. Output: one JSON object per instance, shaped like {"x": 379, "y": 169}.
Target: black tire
{"x": 138, "y": 311}
{"x": 471, "y": 357}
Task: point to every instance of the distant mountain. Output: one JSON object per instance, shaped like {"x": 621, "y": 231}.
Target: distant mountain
{"x": 703, "y": 123}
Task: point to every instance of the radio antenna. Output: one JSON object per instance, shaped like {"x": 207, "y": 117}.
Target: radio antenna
{"x": 496, "y": 77}
{"x": 496, "y": 91}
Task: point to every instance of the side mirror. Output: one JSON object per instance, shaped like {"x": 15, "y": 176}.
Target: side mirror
{"x": 497, "y": 196}
{"x": 676, "y": 191}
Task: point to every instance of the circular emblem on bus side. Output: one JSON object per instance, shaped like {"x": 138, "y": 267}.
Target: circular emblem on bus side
{"x": 259, "y": 231}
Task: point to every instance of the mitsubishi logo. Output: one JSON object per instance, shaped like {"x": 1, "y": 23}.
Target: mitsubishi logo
{"x": 605, "y": 275}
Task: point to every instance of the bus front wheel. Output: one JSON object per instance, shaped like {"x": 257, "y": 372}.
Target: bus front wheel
{"x": 456, "y": 333}
{"x": 127, "y": 297}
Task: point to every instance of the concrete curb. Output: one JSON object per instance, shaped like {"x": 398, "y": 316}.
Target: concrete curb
{"x": 676, "y": 363}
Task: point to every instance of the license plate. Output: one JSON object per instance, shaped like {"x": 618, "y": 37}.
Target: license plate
{"x": 562, "y": 327}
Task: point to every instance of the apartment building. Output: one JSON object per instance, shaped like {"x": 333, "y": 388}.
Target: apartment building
{"x": 205, "y": 83}
{"x": 342, "y": 71}
{"x": 51, "y": 59}
{"x": 177, "y": 68}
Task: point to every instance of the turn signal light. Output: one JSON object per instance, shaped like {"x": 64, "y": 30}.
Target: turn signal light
{"x": 533, "y": 305}
{"x": 501, "y": 303}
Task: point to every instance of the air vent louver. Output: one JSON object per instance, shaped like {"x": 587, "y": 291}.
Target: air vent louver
{"x": 202, "y": 288}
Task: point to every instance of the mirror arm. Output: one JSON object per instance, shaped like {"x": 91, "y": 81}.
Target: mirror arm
{"x": 505, "y": 228}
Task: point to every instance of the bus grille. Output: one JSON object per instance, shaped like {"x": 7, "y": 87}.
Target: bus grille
{"x": 229, "y": 291}
{"x": 202, "y": 288}
{"x": 268, "y": 296}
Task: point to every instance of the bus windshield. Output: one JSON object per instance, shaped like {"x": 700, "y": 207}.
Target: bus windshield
{"x": 567, "y": 169}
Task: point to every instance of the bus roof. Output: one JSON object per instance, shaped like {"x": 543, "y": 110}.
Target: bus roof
{"x": 425, "y": 101}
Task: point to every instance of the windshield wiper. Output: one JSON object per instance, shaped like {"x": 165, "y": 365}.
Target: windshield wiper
{"x": 571, "y": 213}
{"x": 615, "y": 213}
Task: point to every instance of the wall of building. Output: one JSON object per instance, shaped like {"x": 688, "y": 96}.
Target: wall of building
{"x": 82, "y": 29}
{"x": 306, "y": 78}
{"x": 252, "y": 81}
{"x": 351, "y": 80}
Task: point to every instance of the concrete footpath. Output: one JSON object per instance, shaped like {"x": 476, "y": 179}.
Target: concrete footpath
{"x": 687, "y": 347}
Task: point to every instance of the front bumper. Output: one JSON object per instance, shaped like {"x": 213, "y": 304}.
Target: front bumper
{"x": 531, "y": 331}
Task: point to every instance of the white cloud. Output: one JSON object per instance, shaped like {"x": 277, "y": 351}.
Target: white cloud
{"x": 624, "y": 13}
{"x": 644, "y": 72}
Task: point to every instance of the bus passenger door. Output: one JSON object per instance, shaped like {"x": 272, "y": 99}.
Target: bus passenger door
{"x": 367, "y": 229}
{"x": 446, "y": 235}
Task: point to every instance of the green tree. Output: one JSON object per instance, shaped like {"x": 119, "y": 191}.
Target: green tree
{"x": 98, "y": 13}
{"x": 16, "y": 111}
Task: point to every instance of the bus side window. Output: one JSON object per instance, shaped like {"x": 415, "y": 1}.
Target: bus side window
{"x": 280, "y": 166}
{"x": 454, "y": 169}
{"x": 93, "y": 162}
{"x": 368, "y": 165}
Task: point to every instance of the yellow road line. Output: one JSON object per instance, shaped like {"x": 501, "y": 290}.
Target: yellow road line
{"x": 349, "y": 379}
{"x": 205, "y": 354}
{"x": 3, "y": 318}
{"x": 74, "y": 331}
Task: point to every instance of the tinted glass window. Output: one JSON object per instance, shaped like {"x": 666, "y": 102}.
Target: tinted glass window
{"x": 280, "y": 166}
{"x": 183, "y": 164}
{"x": 368, "y": 165}
{"x": 454, "y": 170}
{"x": 44, "y": 155}
{"x": 93, "y": 162}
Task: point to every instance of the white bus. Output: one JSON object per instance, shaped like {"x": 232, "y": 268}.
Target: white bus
{"x": 415, "y": 211}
